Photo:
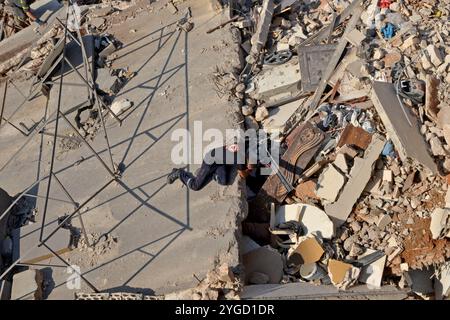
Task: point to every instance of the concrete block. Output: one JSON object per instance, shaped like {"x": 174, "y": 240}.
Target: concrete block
{"x": 278, "y": 79}
{"x": 280, "y": 115}
{"x": 330, "y": 183}
{"x": 435, "y": 55}
{"x": 359, "y": 176}
{"x": 406, "y": 138}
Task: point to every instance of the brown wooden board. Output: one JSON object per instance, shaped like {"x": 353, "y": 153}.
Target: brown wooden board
{"x": 305, "y": 143}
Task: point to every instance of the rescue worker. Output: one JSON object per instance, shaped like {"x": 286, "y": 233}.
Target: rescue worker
{"x": 21, "y": 11}
{"x": 217, "y": 165}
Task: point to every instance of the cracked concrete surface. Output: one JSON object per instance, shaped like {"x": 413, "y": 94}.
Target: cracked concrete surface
{"x": 165, "y": 233}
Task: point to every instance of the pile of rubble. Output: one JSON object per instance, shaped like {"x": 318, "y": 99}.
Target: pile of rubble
{"x": 360, "y": 93}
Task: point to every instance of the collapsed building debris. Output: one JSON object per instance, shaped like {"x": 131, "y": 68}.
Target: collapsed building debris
{"x": 366, "y": 203}
{"x": 358, "y": 91}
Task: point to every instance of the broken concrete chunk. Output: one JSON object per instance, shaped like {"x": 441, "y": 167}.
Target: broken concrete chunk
{"x": 307, "y": 251}
{"x": 435, "y": 55}
{"x": 120, "y": 106}
{"x": 341, "y": 163}
{"x": 261, "y": 113}
{"x": 440, "y": 222}
{"x": 383, "y": 221}
{"x": 372, "y": 274}
{"x": 266, "y": 261}
{"x": 355, "y": 37}
{"x": 436, "y": 146}
{"x": 359, "y": 176}
{"x": 397, "y": 119}
{"x": 330, "y": 183}
{"x": 28, "y": 285}
{"x": 277, "y": 82}
{"x": 259, "y": 38}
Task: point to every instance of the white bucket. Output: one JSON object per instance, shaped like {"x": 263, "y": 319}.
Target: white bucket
{"x": 311, "y": 271}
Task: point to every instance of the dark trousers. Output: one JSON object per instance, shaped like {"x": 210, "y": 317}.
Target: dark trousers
{"x": 205, "y": 174}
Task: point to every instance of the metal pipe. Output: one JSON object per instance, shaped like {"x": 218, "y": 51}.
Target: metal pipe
{"x": 3, "y": 102}
{"x": 58, "y": 108}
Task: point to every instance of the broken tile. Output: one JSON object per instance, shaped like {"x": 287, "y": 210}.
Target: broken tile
{"x": 330, "y": 183}
{"x": 339, "y": 271}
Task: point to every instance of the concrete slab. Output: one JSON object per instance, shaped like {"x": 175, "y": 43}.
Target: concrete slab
{"x": 27, "y": 285}
{"x": 46, "y": 10}
{"x": 330, "y": 183}
{"x": 310, "y": 291}
{"x": 407, "y": 139}
{"x": 279, "y": 116}
{"x": 277, "y": 82}
{"x": 156, "y": 224}
{"x": 359, "y": 176}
